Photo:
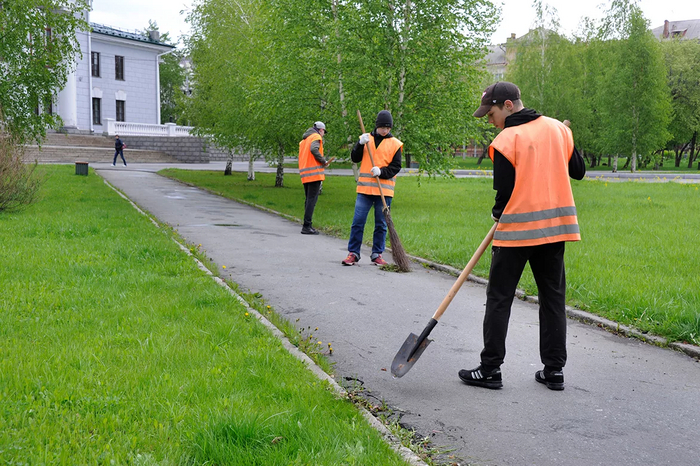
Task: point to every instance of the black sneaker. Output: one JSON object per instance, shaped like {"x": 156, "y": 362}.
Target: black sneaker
{"x": 554, "y": 380}
{"x": 481, "y": 378}
{"x": 309, "y": 231}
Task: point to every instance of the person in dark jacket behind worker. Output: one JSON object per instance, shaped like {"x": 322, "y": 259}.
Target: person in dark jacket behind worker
{"x": 118, "y": 150}
{"x": 312, "y": 166}
{"x": 533, "y": 158}
{"x": 386, "y": 150}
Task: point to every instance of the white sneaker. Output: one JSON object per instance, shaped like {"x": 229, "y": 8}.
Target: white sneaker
{"x": 113, "y": 165}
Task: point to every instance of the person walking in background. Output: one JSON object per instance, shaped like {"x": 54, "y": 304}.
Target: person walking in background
{"x": 386, "y": 150}
{"x": 312, "y": 171}
{"x": 119, "y": 147}
{"x": 533, "y": 158}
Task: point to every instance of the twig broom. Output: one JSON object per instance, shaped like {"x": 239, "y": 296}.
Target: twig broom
{"x": 400, "y": 257}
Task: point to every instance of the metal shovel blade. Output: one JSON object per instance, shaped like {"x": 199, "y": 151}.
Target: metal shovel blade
{"x": 408, "y": 355}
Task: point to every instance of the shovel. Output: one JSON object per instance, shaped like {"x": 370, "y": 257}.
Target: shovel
{"x": 414, "y": 345}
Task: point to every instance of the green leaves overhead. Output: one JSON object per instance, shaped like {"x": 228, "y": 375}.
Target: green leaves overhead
{"x": 38, "y": 48}
{"x": 270, "y": 69}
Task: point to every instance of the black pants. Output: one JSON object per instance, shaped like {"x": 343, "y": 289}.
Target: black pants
{"x": 311, "y": 190}
{"x": 507, "y": 265}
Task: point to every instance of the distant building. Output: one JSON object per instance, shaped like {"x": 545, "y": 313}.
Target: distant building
{"x": 117, "y": 77}
{"x": 686, "y": 29}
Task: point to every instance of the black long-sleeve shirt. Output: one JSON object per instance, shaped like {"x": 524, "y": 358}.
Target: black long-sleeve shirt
{"x": 504, "y": 171}
{"x": 387, "y": 172}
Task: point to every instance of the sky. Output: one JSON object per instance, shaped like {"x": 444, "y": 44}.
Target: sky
{"x": 517, "y": 16}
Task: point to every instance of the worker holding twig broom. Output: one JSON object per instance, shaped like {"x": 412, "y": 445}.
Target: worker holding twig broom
{"x": 379, "y": 153}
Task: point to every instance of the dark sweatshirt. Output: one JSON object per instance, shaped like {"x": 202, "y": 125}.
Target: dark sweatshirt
{"x": 389, "y": 171}
{"x": 504, "y": 171}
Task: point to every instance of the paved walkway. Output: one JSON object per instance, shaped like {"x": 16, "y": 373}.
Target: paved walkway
{"x": 625, "y": 403}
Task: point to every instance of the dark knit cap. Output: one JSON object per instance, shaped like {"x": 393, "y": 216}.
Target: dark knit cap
{"x": 384, "y": 120}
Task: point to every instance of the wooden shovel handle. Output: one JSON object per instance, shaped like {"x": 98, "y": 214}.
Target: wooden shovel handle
{"x": 371, "y": 159}
{"x": 465, "y": 273}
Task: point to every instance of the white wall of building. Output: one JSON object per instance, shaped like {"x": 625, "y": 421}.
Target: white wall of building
{"x": 139, "y": 88}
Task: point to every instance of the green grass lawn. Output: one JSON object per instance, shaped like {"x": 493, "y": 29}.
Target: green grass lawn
{"x": 116, "y": 349}
{"x": 637, "y": 263}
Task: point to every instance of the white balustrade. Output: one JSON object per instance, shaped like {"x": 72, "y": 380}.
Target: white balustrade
{"x": 144, "y": 129}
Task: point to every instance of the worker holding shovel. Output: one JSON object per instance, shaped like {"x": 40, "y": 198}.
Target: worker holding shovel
{"x": 386, "y": 154}
{"x": 533, "y": 158}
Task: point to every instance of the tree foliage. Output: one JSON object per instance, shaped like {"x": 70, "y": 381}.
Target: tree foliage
{"x": 270, "y": 69}
{"x": 683, "y": 64}
{"x": 172, "y": 78}
{"x": 38, "y": 46}
{"x": 610, "y": 82}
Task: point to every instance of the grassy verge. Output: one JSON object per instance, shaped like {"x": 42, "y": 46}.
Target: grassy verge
{"x": 637, "y": 263}
{"x": 116, "y": 349}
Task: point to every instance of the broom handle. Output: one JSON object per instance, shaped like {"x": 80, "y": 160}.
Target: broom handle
{"x": 371, "y": 159}
{"x": 465, "y": 273}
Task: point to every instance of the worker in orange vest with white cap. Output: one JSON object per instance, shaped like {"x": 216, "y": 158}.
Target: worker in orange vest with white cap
{"x": 312, "y": 166}
{"x": 533, "y": 158}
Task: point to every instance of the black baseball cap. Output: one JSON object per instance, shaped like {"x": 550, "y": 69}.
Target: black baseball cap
{"x": 497, "y": 94}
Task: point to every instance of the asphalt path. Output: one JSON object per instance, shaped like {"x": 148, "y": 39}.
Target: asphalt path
{"x": 626, "y": 402}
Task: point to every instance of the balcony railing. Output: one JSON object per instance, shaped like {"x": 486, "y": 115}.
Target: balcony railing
{"x": 124, "y": 128}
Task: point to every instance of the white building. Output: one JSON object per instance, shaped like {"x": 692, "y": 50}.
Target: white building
{"x": 116, "y": 78}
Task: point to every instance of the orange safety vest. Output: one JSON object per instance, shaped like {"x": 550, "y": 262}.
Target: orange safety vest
{"x": 541, "y": 208}
{"x": 309, "y": 168}
{"x": 383, "y": 155}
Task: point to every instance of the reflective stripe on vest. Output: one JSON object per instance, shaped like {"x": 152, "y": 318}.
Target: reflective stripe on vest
{"x": 383, "y": 155}
{"x": 541, "y": 209}
{"x": 309, "y": 168}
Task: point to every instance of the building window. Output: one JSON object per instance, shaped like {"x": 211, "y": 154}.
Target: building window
{"x": 119, "y": 68}
{"x": 96, "y": 111}
{"x": 96, "y": 64}
{"x": 121, "y": 110}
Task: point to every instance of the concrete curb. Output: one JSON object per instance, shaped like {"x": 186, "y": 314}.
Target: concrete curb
{"x": 582, "y": 316}
{"x": 409, "y": 456}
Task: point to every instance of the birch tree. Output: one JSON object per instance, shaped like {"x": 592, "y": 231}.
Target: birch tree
{"x": 635, "y": 104}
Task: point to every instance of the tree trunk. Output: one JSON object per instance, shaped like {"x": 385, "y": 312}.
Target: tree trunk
{"x": 614, "y": 165}
{"x": 402, "y": 46}
{"x": 229, "y": 164}
{"x": 691, "y": 156}
{"x": 251, "y": 170}
{"x": 279, "y": 177}
{"x": 609, "y": 157}
{"x": 484, "y": 153}
{"x": 341, "y": 90}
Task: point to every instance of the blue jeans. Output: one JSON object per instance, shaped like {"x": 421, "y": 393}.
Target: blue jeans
{"x": 116, "y": 153}
{"x": 362, "y": 205}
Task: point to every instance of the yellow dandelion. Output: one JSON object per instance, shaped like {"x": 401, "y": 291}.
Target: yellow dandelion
{"x": 320, "y": 342}
{"x": 316, "y": 329}
{"x": 649, "y": 198}
{"x": 223, "y": 266}
{"x": 246, "y": 314}
{"x": 268, "y": 307}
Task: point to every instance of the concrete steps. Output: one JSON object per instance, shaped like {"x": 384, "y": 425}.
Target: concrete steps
{"x": 70, "y": 154}
{"x": 70, "y": 148}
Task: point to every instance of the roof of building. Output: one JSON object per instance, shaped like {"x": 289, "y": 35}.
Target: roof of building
{"x": 110, "y": 31}
{"x": 686, "y": 29}
{"x": 496, "y": 55}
